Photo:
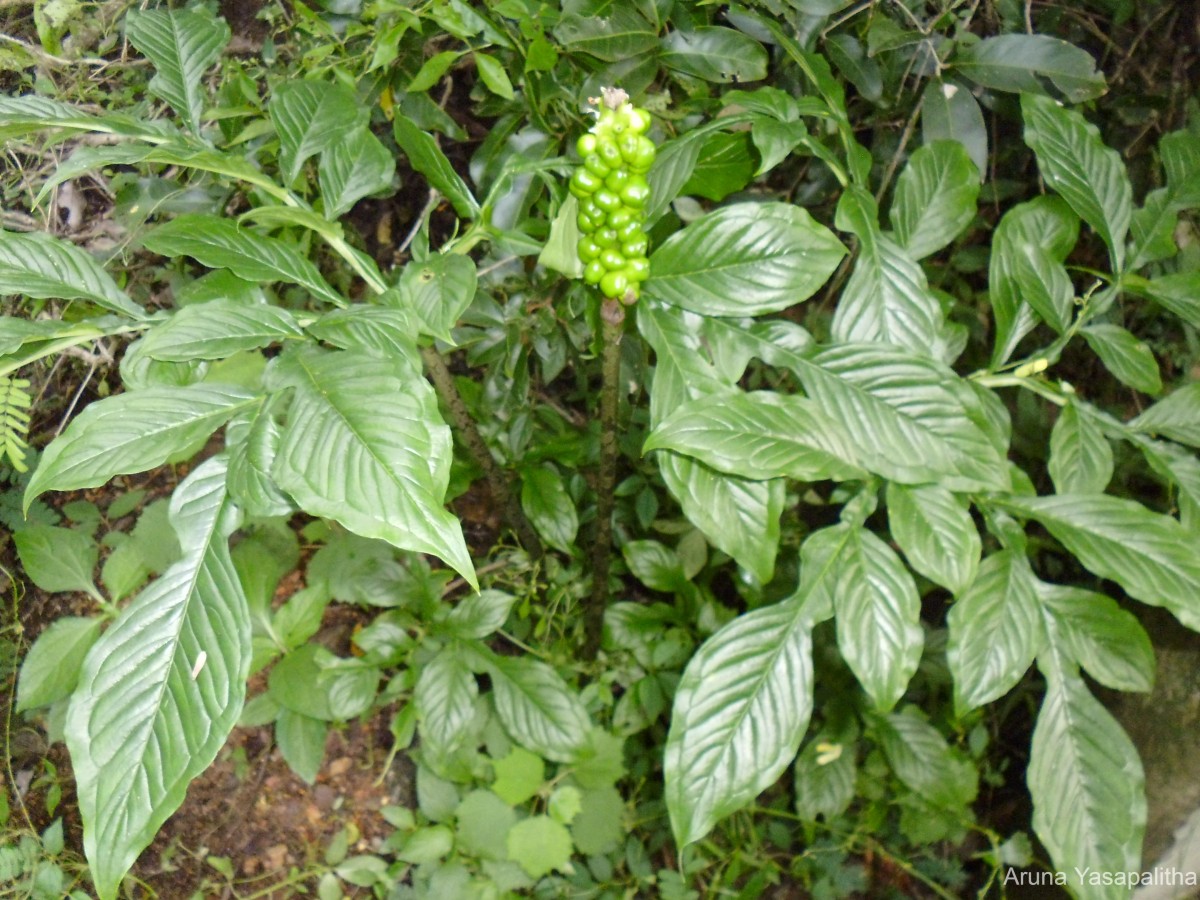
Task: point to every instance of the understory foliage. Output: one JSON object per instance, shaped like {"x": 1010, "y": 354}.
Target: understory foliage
{"x": 901, "y": 426}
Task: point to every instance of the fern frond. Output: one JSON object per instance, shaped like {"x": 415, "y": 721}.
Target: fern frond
{"x": 14, "y": 420}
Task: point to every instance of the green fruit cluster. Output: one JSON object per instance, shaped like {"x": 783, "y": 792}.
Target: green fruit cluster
{"x": 612, "y": 192}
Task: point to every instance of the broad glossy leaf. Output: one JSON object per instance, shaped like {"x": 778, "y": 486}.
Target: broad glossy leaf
{"x": 382, "y": 331}
{"x": 936, "y": 533}
{"x": 162, "y": 688}
{"x": 355, "y": 167}
{"x": 927, "y": 765}
{"x": 445, "y": 697}
{"x": 220, "y": 244}
{"x": 1081, "y": 460}
{"x": 759, "y": 435}
{"x": 1086, "y": 780}
{"x": 538, "y": 709}
{"x": 878, "y": 617}
{"x": 744, "y": 259}
{"x": 621, "y": 34}
{"x": 182, "y": 44}
{"x": 1126, "y": 357}
{"x": 1020, "y": 62}
{"x": 1150, "y": 555}
{"x": 492, "y": 74}
{"x": 949, "y": 112}
{"x": 1097, "y": 634}
{"x": 438, "y": 290}
{"x": 738, "y": 516}
{"x": 1180, "y": 293}
{"x": 995, "y": 631}
{"x": 1176, "y": 416}
{"x": 911, "y": 419}
{"x": 58, "y": 559}
{"x": 310, "y": 117}
{"x": 714, "y": 53}
{"x": 426, "y": 157}
{"x": 217, "y": 330}
{"x": 739, "y": 715}
{"x": 251, "y": 455}
{"x": 364, "y": 444}
{"x": 50, "y": 669}
{"x": 935, "y": 198}
{"x": 550, "y": 508}
{"x": 43, "y": 267}
{"x": 673, "y": 166}
{"x": 887, "y": 299}
{"x": 726, "y": 164}
{"x": 1026, "y": 274}
{"x": 132, "y": 433}
{"x": 1180, "y": 157}
{"x": 1179, "y": 467}
{"x": 23, "y": 115}
{"x": 476, "y": 616}
{"x": 1081, "y": 169}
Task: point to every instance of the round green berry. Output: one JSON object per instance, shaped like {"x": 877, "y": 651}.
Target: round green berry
{"x": 586, "y": 145}
{"x": 638, "y": 269}
{"x": 613, "y": 284}
{"x": 594, "y": 271}
{"x": 596, "y": 166}
{"x": 588, "y": 249}
{"x": 605, "y": 237}
{"x": 634, "y": 194}
{"x": 612, "y": 260}
{"x": 584, "y": 183}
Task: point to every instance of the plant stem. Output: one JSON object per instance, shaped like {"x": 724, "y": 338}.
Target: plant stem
{"x": 498, "y": 481}
{"x": 613, "y": 318}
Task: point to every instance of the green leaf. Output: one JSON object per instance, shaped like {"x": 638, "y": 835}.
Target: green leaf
{"x": 600, "y": 825}
{"x": 483, "y": 823}
{"x": 477, "y": 616}
{"x": 1176, "y": 416}
{"x": 42, "y": 267}
{"x": 218, "y": 329}
{"x": 1086, "y": 780}
{"x": 887, "y": 299}
{"x": 382, "y": 331}
{"x": 824, "y": 786}
{"x": 162, "y": 688}
{"x": 50, "y": 669}
{"x": 438, "y": 290}
{"x": 936, "y": 533}
{"x": 310, "y": 117}
{"x": 1097, "y": 634}
{"x": 432, "y": 70}
{"x": 654, "y": 565}
{"x": 250, "y": 461}
{"x": 878, "y": 617}
{"x": 1081, "y": 460}
{"x": 493, "y": 75}
{"x": 365, "y": 445}
{"x": 560, "y": 252}
{"x": 1148, "y": 554}
{"x": 714, "y": 53}
{"x": 744, "y": 259}
{"x": 759, "y": 435}
{"x": 1179, "y": 467}
{"x": 1026, "y": 274}
{"x": 920, "y": 757}
{"x": 537, "y": 708}
{"x": 427, "y": 845}
{"x": 995, "y": 631}
{"x": 545, "y": 500}
{"x": 740, "y": 517}
{"x": 182, "y": 44}
{"x": 445, "y": 697}
{"x": 1179, "y": 293}
{"x": 219, "y": 243}
{"x": 301, "y": 740}
{"x": 1126, "y": 357}
{"x": 935, "y": 198}
{"x": 294, "y": 683}
{"x": 132, "y": 433}
{"x": 725, "y": 165}
{"x": 740, "y": 712}
{"x": 851, "y": 58}
{"x": 621, "y": 34}
{"x": 519, "y": 776}
{"x": 1022, "y": 63}
{"x": 1080, "y": 168}
{"x": 58, "y": 559}
{"x": 355, "y": 167}
{"x": 426, "y": 157}
{"x": 540, "y": 845}
{"x": 950, "y": 113}
{"x": 912, "y": 419}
